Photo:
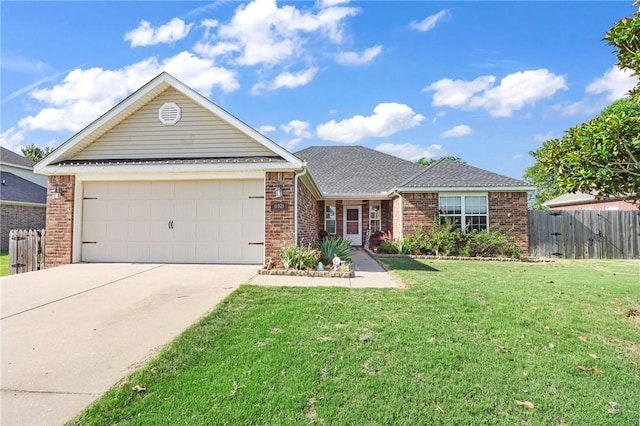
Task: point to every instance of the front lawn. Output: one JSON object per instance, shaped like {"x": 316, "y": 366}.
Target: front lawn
{"x": 4, "y": 263}
{"x": 465, "y": 343}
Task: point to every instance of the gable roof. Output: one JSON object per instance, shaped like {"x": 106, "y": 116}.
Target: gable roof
{"x": 453, "y": 175}
{"x": 355, "y": 171}
{"x": 137, "y": 100}
{"x": 12, "y": 159}
{"x": 15, "y": 188}
{"x": 580, "y": 198}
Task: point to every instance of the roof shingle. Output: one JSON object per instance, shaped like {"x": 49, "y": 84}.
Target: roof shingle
{"x": 15, "y": 188}
{"x": 10, "y": 157}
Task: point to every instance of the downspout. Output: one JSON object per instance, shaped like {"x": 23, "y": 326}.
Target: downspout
{"x": 295, "y": 202}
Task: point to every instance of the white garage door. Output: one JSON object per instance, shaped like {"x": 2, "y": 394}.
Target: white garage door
{"x": 218, "y": 221}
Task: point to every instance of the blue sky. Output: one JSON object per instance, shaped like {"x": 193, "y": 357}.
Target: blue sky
{"x": 485, "y": 81}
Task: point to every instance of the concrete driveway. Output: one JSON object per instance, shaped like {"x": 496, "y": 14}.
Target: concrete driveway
{"x": 70, "y": 333}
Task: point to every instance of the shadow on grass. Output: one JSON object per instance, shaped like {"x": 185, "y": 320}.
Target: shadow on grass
{"x": 406, "y": 264}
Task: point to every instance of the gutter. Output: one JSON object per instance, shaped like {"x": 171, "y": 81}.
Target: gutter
{"x": 295, "y": 202}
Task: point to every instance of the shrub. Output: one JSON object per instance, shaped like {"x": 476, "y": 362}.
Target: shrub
{"x": 334, "y": 246}
{"x": 395, "y": 247}
{"x": 445, "y": 238}
{"x": 299, "y": 257}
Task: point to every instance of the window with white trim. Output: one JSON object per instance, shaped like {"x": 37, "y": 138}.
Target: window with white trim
{"x": 375, "y": 215}
{"x": 468, "y": 212}
{"x": 330, "y": 218}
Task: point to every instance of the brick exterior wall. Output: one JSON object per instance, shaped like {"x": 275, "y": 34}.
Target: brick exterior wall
{"x": 279, "y": 224}
{"x": 396, "y": 220}
{"x": 308, "y": 216}
{"x": 386, "y": 220}
{"x": 418, "y": 209}
{"x": 508, "y": 213}
{"x": 19, "y": 217}
{"x": 59, "y": 224}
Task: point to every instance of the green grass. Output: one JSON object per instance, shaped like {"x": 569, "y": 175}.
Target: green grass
{"x": 4, "y": 263}
{"x": 458, "y": 346}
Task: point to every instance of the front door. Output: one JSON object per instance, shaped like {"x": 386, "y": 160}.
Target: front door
{"x": 353, "y": 224}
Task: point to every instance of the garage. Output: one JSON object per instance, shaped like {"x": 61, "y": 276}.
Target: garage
{"x": 205, "y": 221}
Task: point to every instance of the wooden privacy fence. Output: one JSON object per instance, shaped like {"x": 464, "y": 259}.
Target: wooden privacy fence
{"x": 584, "y": 234}
{"x": 26, "y": 250}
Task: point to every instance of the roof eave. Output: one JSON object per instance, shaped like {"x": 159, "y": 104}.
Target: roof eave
{"x": 505, "y": 188}
{"x": 167, "y": 168}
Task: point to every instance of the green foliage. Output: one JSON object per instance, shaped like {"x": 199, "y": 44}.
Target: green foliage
{"x": 299, "y": 257}
{"x": 600, "y": 156}
{"x": 624, "y": 36}
{"x": 334, "y": 246}
{"x": 482, "y": 243}
{"x": 547, "y": 186}
{"x": 35, "y": 153}
{"x": 424, "y": 161}
{"x": 446, "y": 239}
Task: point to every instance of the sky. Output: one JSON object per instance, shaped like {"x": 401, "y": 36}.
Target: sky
{"x": 484, "y": 81}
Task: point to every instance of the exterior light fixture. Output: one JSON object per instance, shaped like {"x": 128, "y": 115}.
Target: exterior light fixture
{"x": 57, "y": 191}
{"x": 279, "y": 191}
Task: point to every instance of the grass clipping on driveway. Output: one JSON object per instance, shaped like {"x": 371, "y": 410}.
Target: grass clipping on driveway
{"x": 465, "y": 343}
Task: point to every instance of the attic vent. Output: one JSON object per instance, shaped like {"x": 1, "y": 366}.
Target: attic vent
{"x": 169, "y": 113}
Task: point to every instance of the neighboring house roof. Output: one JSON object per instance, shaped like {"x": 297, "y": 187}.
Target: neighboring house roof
{"x": 14, "y": 188}
{"x": 54, "y": 162}
{"x": 577, "y": 198}
{"x": 11, "y": 158}
{"x": 454, "y": 175}
{"x": 355, "y": 170}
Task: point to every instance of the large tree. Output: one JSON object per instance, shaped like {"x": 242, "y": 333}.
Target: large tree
{"x": 601, "y": 156}
{"x": 34, "y": 153}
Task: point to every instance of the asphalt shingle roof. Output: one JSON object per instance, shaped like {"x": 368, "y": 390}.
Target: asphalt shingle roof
{"x": 355, "y": 170}
{"x": 10, "y": 157}
{"x": 15, "y": 188}
{"x": 446, "y": 173}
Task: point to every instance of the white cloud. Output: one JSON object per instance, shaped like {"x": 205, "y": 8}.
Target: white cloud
{"x": 84, "y": 95}
{"x": 615, "y": 83}
{"x": 517, "y": 156}
{"x": 267, "y": 128}
{"x": 286, "y": 80}
{"x": 146, "y": 35}
{"x": 514, "y": 92}
{"x": 429, "y": 22}
{"x": 268, "y": 34}
{"x": 11, "y": 139}
{"x": 541, "y": 137}
{"x": 355, "y": 58}
{"x": 211, "y": 51}
{"x": 457, "y": 131}
{"x": 290, "y": 144}
{"x": 387, "y": 119}
{"x": 298, "y": 128}
{"x": 410, "y": 151}
{"x": 330, "y": 3}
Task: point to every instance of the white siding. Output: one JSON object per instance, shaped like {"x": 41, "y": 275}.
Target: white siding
{"x": 199, "y": 133}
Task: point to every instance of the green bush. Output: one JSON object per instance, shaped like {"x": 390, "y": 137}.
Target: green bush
{"x": 299, "y": 257}
{"x": 334, "y": 246}
{"x": 395, "y": 246}
{"x": 446, "y": 239}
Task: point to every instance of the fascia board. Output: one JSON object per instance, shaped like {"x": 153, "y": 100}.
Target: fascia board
{"x": 465, "y": 189}
{"x": 165, "y": 168}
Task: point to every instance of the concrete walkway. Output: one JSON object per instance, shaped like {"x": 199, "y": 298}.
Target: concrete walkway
{"x": 369, "y": 274}
{"x": 70, "y": 333}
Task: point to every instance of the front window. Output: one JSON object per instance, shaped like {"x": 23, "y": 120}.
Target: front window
{"x": 330, "y": 218}
{"x": 374, "y": 218}
{"x": 466, "y": 211}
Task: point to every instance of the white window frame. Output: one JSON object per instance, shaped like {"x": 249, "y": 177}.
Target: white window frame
{"x": 376, "y": 218}
{"x": 327, "y": 218}
{"x": 463, "y": 215}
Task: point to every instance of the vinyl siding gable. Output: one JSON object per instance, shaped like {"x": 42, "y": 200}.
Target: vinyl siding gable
{"x": 198, "y": 134}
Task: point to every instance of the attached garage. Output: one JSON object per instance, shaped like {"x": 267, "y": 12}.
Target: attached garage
{"x": 206, "y": 221}
{"x": 167, "y": 176}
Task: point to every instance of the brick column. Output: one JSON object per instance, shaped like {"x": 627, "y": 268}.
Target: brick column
{"x": 508, "y": 213}
{"x": 279, "y": 224}
{"x": 59, "y": 223}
